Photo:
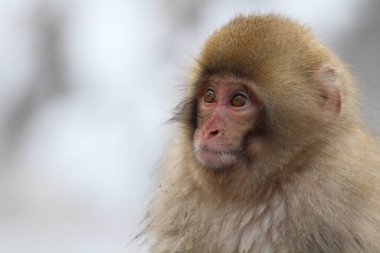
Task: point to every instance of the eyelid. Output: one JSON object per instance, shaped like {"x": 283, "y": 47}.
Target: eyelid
{"x": 209, "y": 88}
{"x": 203, "y": 90}
{"x": 242, "y": 93}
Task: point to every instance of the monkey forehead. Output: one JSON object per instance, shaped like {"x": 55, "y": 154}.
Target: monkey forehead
{"x": 255, "y": 46}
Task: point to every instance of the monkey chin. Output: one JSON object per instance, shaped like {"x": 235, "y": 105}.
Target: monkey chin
{"x": 217, "y": 159}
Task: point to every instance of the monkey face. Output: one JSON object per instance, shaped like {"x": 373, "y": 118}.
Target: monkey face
{"x": 227, "y": 110}
{"x": 255, "y": 95}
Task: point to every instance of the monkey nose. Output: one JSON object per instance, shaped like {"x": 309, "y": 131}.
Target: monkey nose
{"x": 212, "y": 133}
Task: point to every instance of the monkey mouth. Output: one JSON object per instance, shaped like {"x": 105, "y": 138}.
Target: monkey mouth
{"x": 217, "y": 158}
{"x": 222, "y": 152}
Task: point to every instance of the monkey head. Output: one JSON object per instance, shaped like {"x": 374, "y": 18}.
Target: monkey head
{"x": 263, "y": 90}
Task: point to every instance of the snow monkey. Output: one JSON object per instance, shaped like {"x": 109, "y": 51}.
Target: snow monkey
{"x": 271, "y": 155}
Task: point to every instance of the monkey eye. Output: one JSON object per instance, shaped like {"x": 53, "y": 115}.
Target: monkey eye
{"x": 239, "y": 100}
{"x": 209, "y": 96}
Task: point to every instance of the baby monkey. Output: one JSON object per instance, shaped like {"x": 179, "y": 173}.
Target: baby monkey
{"x": 271, "y": 155}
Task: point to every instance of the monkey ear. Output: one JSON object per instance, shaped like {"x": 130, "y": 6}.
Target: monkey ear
{"x": 330, "y": 88}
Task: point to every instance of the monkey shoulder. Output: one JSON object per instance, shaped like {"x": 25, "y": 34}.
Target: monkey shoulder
{"x": 335, "y": 200}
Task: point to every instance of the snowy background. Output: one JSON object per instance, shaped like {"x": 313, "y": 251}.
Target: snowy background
{"x": 86, "y": 88}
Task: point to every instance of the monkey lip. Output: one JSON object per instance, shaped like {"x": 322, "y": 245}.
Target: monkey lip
{"x": 217, "y": 158}
{"x": 222, "y": 152}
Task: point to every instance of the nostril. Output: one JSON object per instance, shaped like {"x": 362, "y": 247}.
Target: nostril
{"x": 214, "y": 133}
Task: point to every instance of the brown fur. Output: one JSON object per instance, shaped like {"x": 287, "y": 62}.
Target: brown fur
{"x": 314, "y": 185}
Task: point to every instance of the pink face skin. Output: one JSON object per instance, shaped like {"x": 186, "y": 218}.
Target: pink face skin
{"x": 227, "y": 110}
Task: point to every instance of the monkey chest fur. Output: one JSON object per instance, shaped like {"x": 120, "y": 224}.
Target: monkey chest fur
{"x": 206, "y": 226}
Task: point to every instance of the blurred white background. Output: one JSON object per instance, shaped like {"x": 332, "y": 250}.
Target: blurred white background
{"x": 86, "y": 89}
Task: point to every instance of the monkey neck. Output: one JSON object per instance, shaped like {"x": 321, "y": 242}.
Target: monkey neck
{"x": 235, "y": 184}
